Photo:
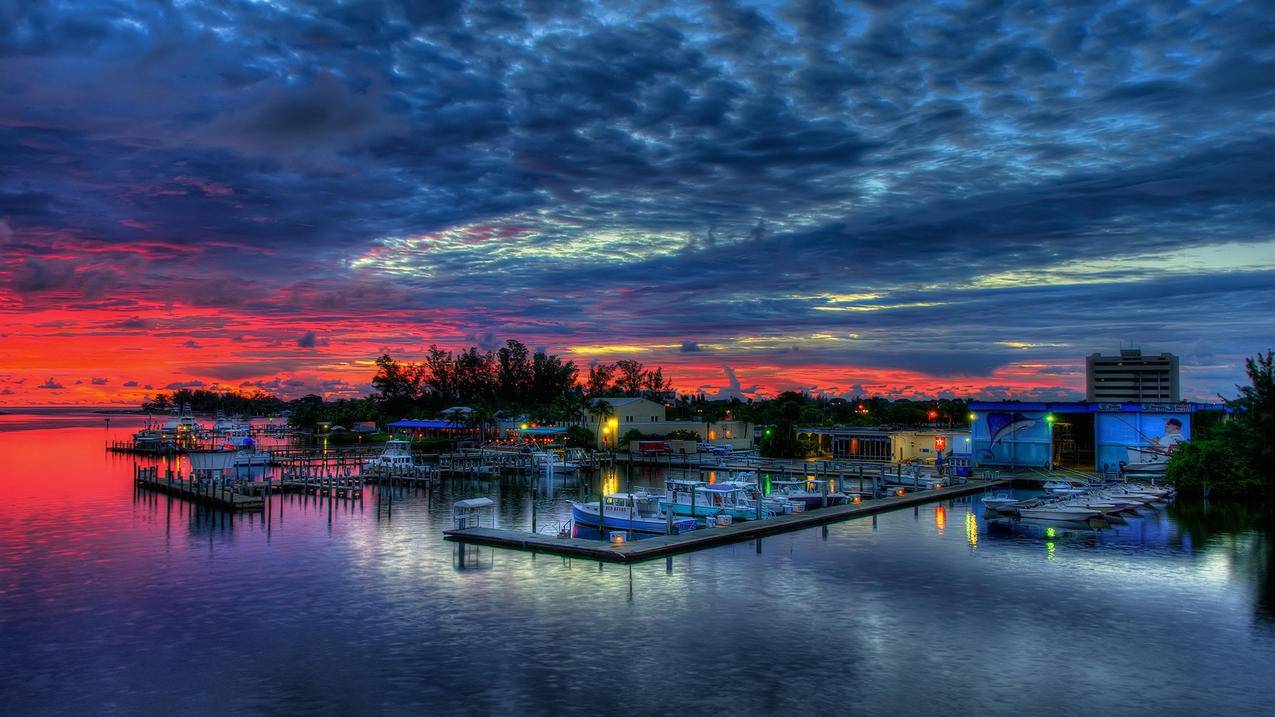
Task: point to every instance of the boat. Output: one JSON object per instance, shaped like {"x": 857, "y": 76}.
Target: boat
{"x": 1062, "y": 487}
{"x": 1059, "y": 511}
{"x": 771, "y": 505}
{"x": 634, "y": 512}
{"x": 700, "y": 499}
{"x": 809, "y": 493}
{"x": 181, "y": 425}
{"x": 396, "y": 456}
{"x": 247, "y": 455}
{"x": 548, "y": 461}
{"x": 1001, "y": 502}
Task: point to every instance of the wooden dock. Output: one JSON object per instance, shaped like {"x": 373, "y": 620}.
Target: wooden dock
{"x": 666, "y": 545}
{"x": 206, "y": 492}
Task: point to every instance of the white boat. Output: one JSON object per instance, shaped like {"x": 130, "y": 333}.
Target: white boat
{"x": 770, "y": 505}
{"x": 631, "y": 512}
{"x": 247, "y": 455}
{"x": 396, "y": 456}
{"x": 548, "y": 461}
{"x": 809, "y": 493}
{"x": 1059, "y": 511}
{"x": 1001, "y": 502}
{"x": 181, "y": 423}
{"x": 699, "y": 499}
{"x": 1062, "y": 487}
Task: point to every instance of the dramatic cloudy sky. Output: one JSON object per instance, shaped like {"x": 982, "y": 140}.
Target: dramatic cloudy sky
{"x": 906, "y": 198}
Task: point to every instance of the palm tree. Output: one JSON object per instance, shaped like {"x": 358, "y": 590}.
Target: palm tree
{"x": 480, "y": 417}
{"x": 603, "y": 411}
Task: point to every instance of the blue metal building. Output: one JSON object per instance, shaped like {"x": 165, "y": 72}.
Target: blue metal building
{"x": 1085, "y": 435}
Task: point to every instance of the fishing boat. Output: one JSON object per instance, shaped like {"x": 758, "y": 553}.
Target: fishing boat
{"x": 396, "y": 456}
{"x": 809, "y": 493}
{"x": 635, "y": 512}
{"x": 700, "y": 499}
{"x": 181, "y": 424}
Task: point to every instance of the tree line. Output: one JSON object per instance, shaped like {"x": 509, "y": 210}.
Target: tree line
{"x": 1235, "y": 456}
{"x": 251, "y": 403}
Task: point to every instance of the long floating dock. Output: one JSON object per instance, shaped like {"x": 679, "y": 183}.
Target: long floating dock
{"x": 666, "y": 545}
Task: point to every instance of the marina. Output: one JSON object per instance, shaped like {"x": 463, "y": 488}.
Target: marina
{"x": 923, "y": 580}
{"x": 673, "y": 544}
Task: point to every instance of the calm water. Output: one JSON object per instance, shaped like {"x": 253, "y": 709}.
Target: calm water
{"x": 110, "y": 602}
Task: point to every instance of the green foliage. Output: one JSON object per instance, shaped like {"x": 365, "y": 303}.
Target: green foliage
{"x": 629, "y": 436}
{"x": 682, "y": 435}
{"x": 255, "y": 403}
{"x": 432, "y": 445}
{"x": 580, "y": 437}
{"x": 307, "y": 412}
{"x": 1237, "y": 456}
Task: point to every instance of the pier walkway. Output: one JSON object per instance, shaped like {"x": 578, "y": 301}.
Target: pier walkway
{"x": 666, "y": 545}
{"x": 205, "y": 492}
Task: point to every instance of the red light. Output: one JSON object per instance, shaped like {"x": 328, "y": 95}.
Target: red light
{"x": 940, "y": 443}
{"x": 934, "y": 415}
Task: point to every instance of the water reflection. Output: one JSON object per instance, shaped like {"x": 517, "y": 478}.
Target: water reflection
{"x": 324, "y": 605}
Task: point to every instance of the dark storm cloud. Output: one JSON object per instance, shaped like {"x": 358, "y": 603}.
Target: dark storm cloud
{"x": 723, "y": 164}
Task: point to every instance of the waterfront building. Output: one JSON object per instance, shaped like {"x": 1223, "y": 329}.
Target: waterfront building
{"x": 1085, "y": 435}
{"x": 650, "y": 418}
{"x": 883, "y": 445}
{"x": 1131, "y": 376}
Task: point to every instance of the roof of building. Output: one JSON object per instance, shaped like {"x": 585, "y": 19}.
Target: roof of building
{"x": 1097, "y": 406}
{"x": 413, "y": 423}
{"x": 620, "y": 400}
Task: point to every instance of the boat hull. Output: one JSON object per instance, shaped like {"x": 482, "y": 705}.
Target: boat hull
{"x": 703, "y": 511}
{"x": 638, "y": 524}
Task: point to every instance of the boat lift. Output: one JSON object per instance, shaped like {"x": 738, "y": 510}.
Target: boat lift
{"x": 469, "y": 513}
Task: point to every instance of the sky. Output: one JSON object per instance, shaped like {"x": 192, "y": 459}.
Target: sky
{"x": 906, "y": 199}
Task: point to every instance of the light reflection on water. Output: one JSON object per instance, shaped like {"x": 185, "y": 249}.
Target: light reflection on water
{"x": 115, "y": 602}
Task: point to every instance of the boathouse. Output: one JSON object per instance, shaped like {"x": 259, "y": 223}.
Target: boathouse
{"x": 1081, "y": 434}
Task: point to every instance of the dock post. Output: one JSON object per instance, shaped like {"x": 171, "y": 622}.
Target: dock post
{"x": 759, "y": 496}
{"x": 534, "y": 479}
{"x": 824, "y": 490}
{"x": 602, "y": 515}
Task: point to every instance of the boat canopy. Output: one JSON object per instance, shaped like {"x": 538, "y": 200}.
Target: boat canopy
{"x": 470, "y": 503}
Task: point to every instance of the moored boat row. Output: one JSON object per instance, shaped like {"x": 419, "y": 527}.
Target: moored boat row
{"x": 1078, "y": 504}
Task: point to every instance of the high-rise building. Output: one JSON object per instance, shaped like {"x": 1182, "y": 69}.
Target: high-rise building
{"x": 1131, "y": 377}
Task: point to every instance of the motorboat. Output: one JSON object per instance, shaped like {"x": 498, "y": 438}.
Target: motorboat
{"x": 1001, "y": 502}
{"x": 181, "y": 425}
{"x": 548, "y": 461}
{"x": 1062, "y": 487}
{"x": 700, "y": 499}
{"x": 247, "y": 455}
{"x": 1059, "y": 511}
{"x": 397, "y": 455}
{"x": 634, "y": 512}
{"x": 771, "y": 505}
{"x": 809, "y": 493}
